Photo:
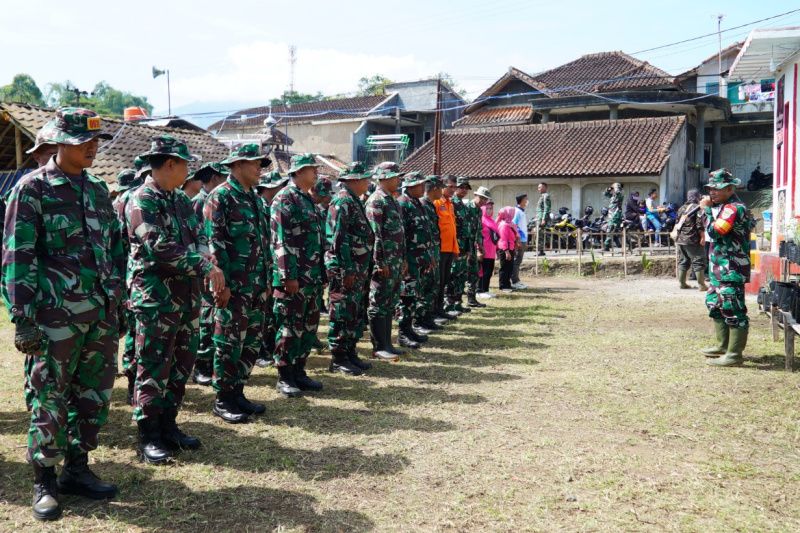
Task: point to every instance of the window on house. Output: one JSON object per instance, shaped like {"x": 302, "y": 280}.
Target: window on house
{"x": 712, "y": 88}
{"x": 706, "y": 156}
{"x": 428, "y": 134}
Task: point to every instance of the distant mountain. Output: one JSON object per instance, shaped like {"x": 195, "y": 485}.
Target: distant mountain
{"x": 206, "y": 113}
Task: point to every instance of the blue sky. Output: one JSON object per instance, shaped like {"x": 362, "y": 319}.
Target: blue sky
{"x": 228, "y": 54}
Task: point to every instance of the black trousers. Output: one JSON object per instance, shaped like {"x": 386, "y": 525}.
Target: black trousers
{"x": 445, "y": 266}
{"x": 487, "y": 269}
{"x": 506, "y": 267}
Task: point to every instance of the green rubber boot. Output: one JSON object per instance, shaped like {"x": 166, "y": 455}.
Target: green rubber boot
{"x": 682, "y": 279}
{"x": 733, "y": 357}
{"x": 723, "y": 335}
{"x": 701, "y": 281}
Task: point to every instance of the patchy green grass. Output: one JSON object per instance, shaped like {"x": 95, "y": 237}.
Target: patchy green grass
{"x": 576, "y": 405}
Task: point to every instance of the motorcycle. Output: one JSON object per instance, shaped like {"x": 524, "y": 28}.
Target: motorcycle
{"x": 759, "y": 180}
{"x": 564, "y": 230}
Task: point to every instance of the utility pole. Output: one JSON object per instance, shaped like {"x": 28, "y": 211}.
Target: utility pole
{"x": 292, "y": 61}
{"x": 719, "y": 54}
{"x": 78, "y": 93}
{"x": 437, "y": 131}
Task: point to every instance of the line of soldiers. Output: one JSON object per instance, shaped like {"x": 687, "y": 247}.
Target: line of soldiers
{"x": 209, "y": 286}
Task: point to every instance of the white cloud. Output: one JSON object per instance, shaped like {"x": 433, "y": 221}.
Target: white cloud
{"x": 260, "y": 70}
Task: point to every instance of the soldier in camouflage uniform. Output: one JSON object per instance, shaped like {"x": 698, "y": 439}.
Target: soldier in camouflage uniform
{"x": 297, "y": 276}
{"x": 543, "y": 208}
{"x": 127, "y": 181}
{"x": 268, "y": 187}
{"x": 62, "y": 284}
{"x": 322, "y": 193}
{"x": 465, "y": 235}
{"x": 165, "y": 270}
{"x": 475, "y": 216}
{"x": 236, "y": 229}
{"x": 210, "y": 176}
{"x": 616, "y": 198}
{"x": 348, "y": 260}
{"x": 728, "y": 224}
{"x": 386, "y": 221}
{"x": 429, "y": 283}
{"x": 419, "y": 257}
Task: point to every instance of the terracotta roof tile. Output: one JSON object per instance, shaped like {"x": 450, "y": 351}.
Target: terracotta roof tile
{"x": 572, "y": 149}
{"x": 341, "y": 108}
{"x": 497, "y": 116}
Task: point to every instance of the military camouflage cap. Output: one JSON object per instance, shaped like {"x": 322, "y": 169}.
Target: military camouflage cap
{"x": 125, "y": 179}
{"x": 207, "y": 169}
{"x": 299, "y": 161}
{"x": 169, "y": 146}
{"x": 436, "y": 180}
{"x": 44, "y": 137}
{"x": 413, "y": 178}
{"x": 386, "y": 170}
{"x": 463, "y": 181}
{"x": 247, "y": 152}
{"x": 484, "y": 192}
{"x": 139, "y": 163}
{"x": 354, "y": 171}
{"x": 75, "y": 125}
{"x": 273, "y": 180}
{"x": 719, "y": 179}
{"x": 323, "y": 187}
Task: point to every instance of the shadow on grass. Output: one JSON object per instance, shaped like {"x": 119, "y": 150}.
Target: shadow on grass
{"x": 766, "y": 362}
{"x": 169, "y": 505}
{"x": 14, "y": 421}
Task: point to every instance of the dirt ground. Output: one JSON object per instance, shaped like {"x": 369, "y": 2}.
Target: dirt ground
{"x": 578, "y": 405}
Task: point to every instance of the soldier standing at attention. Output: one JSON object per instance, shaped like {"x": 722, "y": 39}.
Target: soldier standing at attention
{"x": 297, "y": 276}
{"x": 429, "y": 284}
{"x": 321, "y": 193}
{"x": 348, "y": 260}
{"x": 543, "y": 208}
{"x": 389, "y": 255}
{"x": 268, "y": 187}
{"x": 728, "y": 224}
{"x": 127, "y": 181}
{"x": 480, "y": 198}
{"x": 236, "y": 229}
{"x": 419, "y": 242}
{"x": 210, "y": 175}
{"x": 465, "y": 236}
{"x": 62, "y": 284}
{"x": 614, "y": 193}
{"x": 164, "y": 275}
{"x": 450, "y": 248}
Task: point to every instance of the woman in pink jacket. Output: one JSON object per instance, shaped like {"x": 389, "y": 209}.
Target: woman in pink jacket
{"x": 506, "y": 245}
{"x": 491, "y": 236}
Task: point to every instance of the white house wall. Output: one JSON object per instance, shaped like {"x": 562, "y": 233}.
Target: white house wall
{"x": 786, "y": 192}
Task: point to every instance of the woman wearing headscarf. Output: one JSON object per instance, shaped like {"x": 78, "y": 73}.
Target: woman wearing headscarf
{"x": 491, "y": 236}
{"x": 506, "y": 246}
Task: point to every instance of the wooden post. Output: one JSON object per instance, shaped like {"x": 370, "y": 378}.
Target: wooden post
{"x": 579, "y": 244}
{"x": 18, "y": 146}
{"x": 773, "y": 313}
{"x": 788, "y": 340}
{"x": 624, "y": 251}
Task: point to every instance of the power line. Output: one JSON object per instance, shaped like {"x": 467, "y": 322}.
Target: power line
{"x": 714, "y": 33}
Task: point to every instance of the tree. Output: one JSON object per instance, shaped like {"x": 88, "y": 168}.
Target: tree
{"x": 294, "y": 97}
{"x": 104, "y": 99}
{"x": 373, "y": 85}
{"x": 448, "y": 79}
{"x": 22, "y": 89}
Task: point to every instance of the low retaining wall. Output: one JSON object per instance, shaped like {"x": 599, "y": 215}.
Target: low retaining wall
{"x": 605, "y": 267}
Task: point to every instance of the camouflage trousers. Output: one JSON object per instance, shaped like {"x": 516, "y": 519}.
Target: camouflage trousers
{"x": 296, "y": 323}
{"x": 428, "y": 287}
{"x": 614, "y": 225}
{"x": 384, "y": 294}
{"x": 205, "y": 343}
{"x": 345, "y": 312}
{"x": 71, "y": 382}
{"x": 727, "y": 302}
{"x": 268, "y": 336}
{"x": 166, "y": 346}
{"x": 473, "y": 273}
{"x": 458, "y": 279}
{"x": 407, "y": 306}
{"x": 238, "y": 331}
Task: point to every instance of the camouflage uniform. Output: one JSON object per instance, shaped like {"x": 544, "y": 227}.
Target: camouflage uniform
{"x": 419, "y": 253}
{"x": 465, "y": 237}
{"x": 205, "y": 343}
{"x": 350, "y": 243}
{"x": 297, "y": 255}
{"x": 386, "y": 221}
{"x": 474, "y": 216}
{"x": 237, "y": 233}
{"x": 165, "y": 273}
{"x": 429, "y": 282}
{"x": 614, "y": 212}
{"x": 62, "y": 276}
{"x": 543, "y": 208}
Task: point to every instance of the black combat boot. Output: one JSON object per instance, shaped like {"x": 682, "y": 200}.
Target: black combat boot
{"x": 151, "y": 448}
{"x": 202, "y": 372}
{"x": 172, "y": 436}
{"x": 413, "y": 334}
{"x": 379, "y": 344}
{"x": 286, "y": 384}
{"x": 356, "y": 361}
{"x": 131, "y": 384}
{"x": 340, "y": 362}
{"x": 246, "y": 405}
{"x": 405, "y": 341}
{"x": 472, "y": 301}
{"x": 227, "y": 408}
{"x": 45, "y": 493}
{"x": 76, "y": 478}
{"x": 387, "y": 334}
{"x": 421, "y": 330}
{"x": 301, "y": 378}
